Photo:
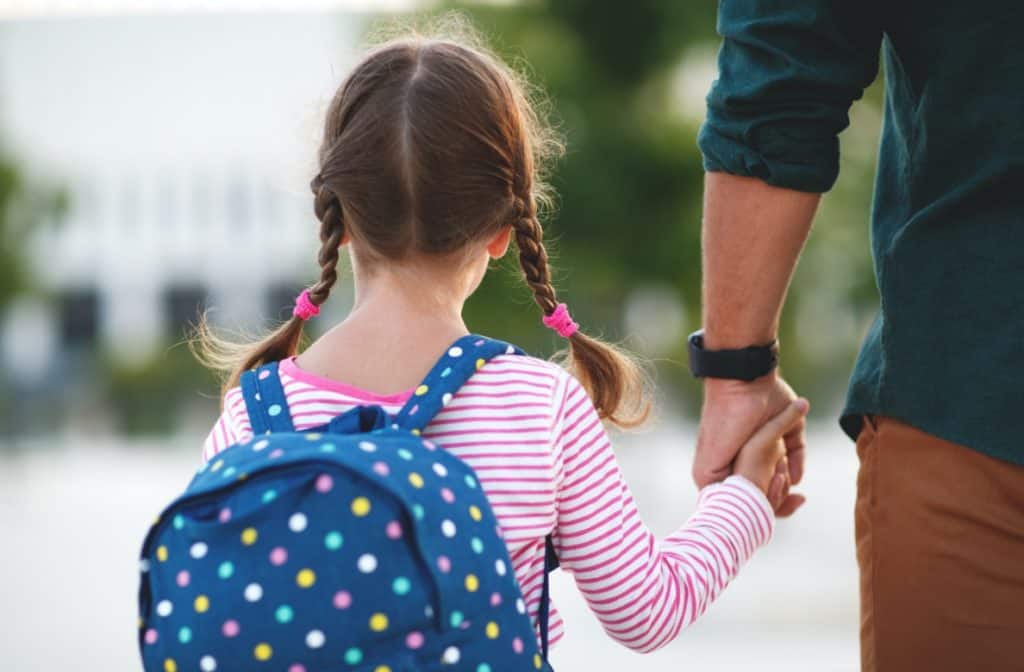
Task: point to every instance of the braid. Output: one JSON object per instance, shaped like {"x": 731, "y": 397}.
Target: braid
{"x": 332, "y": 230}
{"x": 533, "y": 258}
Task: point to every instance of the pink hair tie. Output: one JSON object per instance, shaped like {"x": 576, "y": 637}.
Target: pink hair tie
{"x": 560, "y": 321}
{"x": 304, "y": 308}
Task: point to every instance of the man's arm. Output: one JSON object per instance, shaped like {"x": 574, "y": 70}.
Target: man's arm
{"x": 788, "y": 73}
{"x": 753, "y": 234}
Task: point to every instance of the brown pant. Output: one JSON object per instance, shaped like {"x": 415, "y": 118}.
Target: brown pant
{"x": 940, "y": 543}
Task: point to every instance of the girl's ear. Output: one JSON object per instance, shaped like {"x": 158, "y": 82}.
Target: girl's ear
{"x": 499, "y": 244}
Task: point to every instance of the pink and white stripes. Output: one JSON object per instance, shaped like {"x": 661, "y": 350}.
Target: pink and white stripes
{"x": 541, "y": 454}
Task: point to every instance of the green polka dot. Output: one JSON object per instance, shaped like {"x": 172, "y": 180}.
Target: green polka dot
{"x": 274, "y": 410}
{"x": 333, "y": 540}
{"x": 225, "y": 570}
{"x": 401, "y": 586}
{"x": 417, "y": 511}
{"x": 404, "y": 454}
{"x": 269, "y": 496}
{"x": 284, "y": 614}
{"x": 470, "y": 481}
{"x": 353, "y": 656}
{"x": 483, "y": 667}
{"x": 478, "y": 546}
{"x": 179, "y": 522}
{"x": 229, "y": 472}
{"x": 185, "y": 634}
{"x": 328, "y": 448}
{"x": 456, "y": 619}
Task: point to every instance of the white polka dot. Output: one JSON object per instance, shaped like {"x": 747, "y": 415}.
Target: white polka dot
{"x": 253, "y": 592}
{"x": 521, "y": 606}
{"x": 499, "y": 567}
{"x": 450, "y": 656}
{"x": 448, "y": 529}
{"x": 144, "y": 565}
{"x": 198, "y": 550}
{"x": 510, "y": 350}
{"x": 315, "y": 639}
{"x": 440, "y": 469}
{"x": 164, "y": 608}
{"x": 429, "y": 611}
{"x": 455, "y": 351}
{"x": 367, "y": 446}
{"x": 366, "y": 563}
{"x": 298, "y": 522}
{"x": 446, "y": 398}
{"x": 260, "y": 445}
{"x": 207, "y": 664}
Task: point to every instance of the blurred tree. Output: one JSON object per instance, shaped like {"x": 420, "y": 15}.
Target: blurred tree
{"x": 630, "y": 185}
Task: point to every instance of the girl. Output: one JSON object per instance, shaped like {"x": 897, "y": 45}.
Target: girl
{"x": 427, "y": 170}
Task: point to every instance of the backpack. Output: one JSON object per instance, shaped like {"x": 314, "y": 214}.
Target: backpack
{"x": 355, "y": 546}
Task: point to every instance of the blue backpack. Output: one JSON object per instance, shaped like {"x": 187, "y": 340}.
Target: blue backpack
{"x": 355, "y": 546}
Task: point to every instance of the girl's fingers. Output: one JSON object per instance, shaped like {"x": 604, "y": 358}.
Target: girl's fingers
{"x": 779, "y": 426}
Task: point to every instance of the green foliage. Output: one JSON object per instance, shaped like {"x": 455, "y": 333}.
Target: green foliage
{"x": 630, "y": 184}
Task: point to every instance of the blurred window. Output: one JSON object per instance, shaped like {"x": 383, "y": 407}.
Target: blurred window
{"x": 183, "y": 305}
{"x": 79, "y": 318}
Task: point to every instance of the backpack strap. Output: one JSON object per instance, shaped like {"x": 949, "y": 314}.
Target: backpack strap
{"x": 456, "y": 366}
{"x": 544, "y": 610}
{"x": 265, "y": 400}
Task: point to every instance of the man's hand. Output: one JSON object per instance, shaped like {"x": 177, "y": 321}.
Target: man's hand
{"x": 733, "y": 411}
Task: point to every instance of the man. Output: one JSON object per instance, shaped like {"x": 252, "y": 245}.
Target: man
{"x": 936, "y": 401}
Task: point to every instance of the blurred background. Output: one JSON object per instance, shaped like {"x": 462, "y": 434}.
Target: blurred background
{"x": 154, "y": 157}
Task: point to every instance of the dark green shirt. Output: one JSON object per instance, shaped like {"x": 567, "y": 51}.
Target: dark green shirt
{"x": 946, "y": 352}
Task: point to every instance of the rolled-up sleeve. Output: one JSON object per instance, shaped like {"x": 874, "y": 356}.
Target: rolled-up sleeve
{"x": 788, "y": 72}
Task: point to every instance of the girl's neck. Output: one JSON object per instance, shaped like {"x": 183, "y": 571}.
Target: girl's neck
{"x": 398, "y": 326}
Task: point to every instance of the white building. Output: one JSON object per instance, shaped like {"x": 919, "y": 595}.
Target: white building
{"x": 186, "y": 143}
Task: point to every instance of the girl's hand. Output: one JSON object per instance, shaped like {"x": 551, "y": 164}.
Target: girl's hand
{"x": 762, "y": 459}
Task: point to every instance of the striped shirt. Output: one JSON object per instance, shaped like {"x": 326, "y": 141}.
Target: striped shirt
{"x": 541, "y": 453}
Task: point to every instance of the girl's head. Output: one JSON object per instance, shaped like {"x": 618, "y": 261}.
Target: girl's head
{"x": 431, "y": 151}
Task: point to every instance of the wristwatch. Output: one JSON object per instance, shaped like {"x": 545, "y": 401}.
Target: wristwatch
{"x": 745, "y": 364}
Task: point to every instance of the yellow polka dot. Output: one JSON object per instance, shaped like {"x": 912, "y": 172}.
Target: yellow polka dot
{"x": 416, "y": 480}
{"x": 360, "y": 506}
{"x": 474, "y": 513}
{"x": 415, "y": 432}
{"x": 249, "y": 536}
{"x": 492, "y": 630}
{"x": 421, "y": 390}
{"x": 202, "y": 603}
{"x": 161, "y": 554}
{"x": 382, "y": 668}
{"x": 536, "y": 660}
{"x": 379, "y": 622}
{"x": 305, "y": 578}
{"x": 472, "y": 583}
{"x": 262, "y": 651}
{"x": 242, "y": 476}
{"x": 170, "y": 665}
{"x": 480, "y": 363}
{"x": 217, "y": 465}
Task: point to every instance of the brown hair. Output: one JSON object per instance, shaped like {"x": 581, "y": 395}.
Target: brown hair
{"x": 429, "y": 145}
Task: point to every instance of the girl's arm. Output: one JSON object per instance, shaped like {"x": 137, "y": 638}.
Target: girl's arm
{"x": 644, "y": 591}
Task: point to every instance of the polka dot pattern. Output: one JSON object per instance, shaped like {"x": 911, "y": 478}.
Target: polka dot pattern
{"x": 305, "y": 525}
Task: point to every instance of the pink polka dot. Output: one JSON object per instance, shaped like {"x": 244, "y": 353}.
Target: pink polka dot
{"x": 264, "y": 375}
{"x": 278, "y": 556}
{"x": 495, "y": 599}
{"x": 430, "y": 445}
{"x": 478, "y": 343}
{"x": 230, "y": 628}
{"x": 224, "y": 515}
{"x": 394, "y": 530}
{"x": 151, "y": 636}
{"x": 444, "y": 564}
{"x": 297, "y": 668}
{"x": 412, "y": 411}
{"x": 324, "y": 483}
{"x": 381, "y": 468}
{"x": 465, "y": 625}
{"x": 447, "y": 495}
{"x": 183, "y": 578}
{"x": 276, "y": 453}
{"x": 517, "y": 645}
{"x": 414, "y": 640}
{"x": 342, "y": 599}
